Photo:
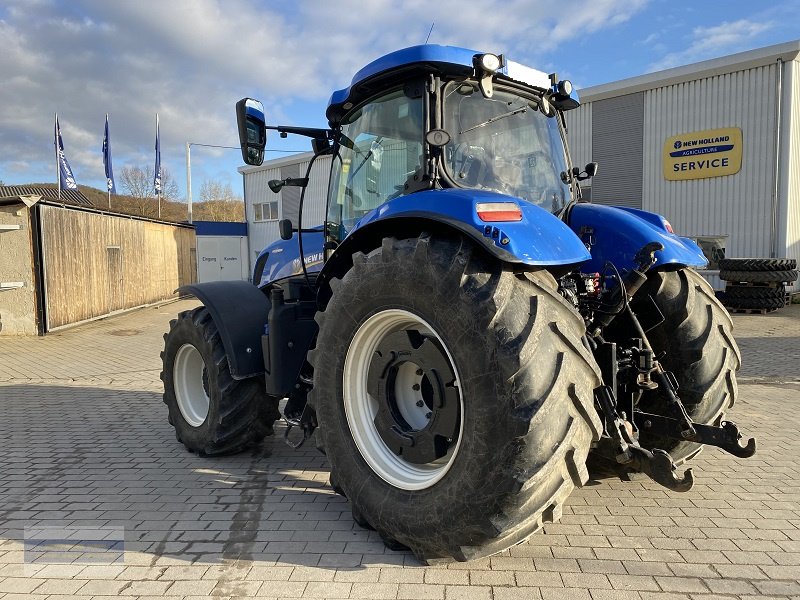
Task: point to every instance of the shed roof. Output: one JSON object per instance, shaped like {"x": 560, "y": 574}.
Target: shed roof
{"x": 49, "y": 192}
{"x": 741, "y": 61}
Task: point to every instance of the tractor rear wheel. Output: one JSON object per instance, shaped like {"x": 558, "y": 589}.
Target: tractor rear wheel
{"x": 212, "y": 413}
{"x": 697, "y": 344}
{"x": 454, "y": 397}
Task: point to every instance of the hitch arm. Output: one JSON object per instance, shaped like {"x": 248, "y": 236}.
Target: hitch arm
{"x": 726, "y": 436}
{"x": 658, "y": 466}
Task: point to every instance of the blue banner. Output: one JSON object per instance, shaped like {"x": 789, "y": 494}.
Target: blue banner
{"x": 107, "y": 161}
{"x": 65, "y": 177}
{"x": 157, "y": 170}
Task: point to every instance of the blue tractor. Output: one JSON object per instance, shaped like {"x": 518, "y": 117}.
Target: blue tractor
{"x": 463, "y": 334}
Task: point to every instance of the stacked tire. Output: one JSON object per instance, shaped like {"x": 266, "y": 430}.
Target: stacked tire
{"x": 756, "y": 284}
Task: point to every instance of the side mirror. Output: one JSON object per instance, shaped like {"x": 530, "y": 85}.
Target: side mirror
{"x": 590, "y": 171}
{"x": 252, "y": 130}
{"x": 285, "y": 229}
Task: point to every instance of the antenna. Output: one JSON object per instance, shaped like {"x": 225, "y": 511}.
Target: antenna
{"x": 429, "y": 32}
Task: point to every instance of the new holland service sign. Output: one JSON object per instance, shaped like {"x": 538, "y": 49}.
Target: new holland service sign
{"x": 701, "y": 154}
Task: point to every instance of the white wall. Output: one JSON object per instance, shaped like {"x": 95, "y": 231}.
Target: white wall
{"x": 222, "y": 258}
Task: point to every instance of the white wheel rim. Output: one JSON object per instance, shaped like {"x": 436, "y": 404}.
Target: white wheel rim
{"x": 187, "y": 377}
{"x": 361, "y": 408}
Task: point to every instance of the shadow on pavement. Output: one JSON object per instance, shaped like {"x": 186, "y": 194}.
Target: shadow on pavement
{"x": 107, "y": 458}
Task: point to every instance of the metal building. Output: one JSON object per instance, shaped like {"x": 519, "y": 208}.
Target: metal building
{"x": 264, "y": 208}
{"x": 713, "y": 146}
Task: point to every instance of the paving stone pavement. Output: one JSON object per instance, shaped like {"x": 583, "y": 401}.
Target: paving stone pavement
{"x": 86, "y": 448}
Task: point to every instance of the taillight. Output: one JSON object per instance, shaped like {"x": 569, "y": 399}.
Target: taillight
{"x": 668, "y": 226}
{"x": 492, "y": 212}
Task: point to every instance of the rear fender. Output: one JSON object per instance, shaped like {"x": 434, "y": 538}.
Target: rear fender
{"x": 538, "y": 239}
{"x": 240, "y": 312}
{"x": 616, "y": 234}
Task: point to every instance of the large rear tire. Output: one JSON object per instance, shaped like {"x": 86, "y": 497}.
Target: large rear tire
{"x": 697, "y": 343}
{"x": 212, "y": 412}
{"x": 454, "y": 397}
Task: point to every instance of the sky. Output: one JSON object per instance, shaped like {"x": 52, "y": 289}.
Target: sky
{"x": 191, "y": 60}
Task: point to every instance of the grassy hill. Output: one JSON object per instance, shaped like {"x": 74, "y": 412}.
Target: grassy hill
{"x": 214, "y": 210}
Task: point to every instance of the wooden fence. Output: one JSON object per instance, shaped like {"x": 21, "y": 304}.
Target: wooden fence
{"x": 96, "y": 263}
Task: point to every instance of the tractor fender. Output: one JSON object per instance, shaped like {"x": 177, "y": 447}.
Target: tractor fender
{"x": 616, "y": 234}
{"x": 540, "y": 239}
{"x": 240, "y": 311}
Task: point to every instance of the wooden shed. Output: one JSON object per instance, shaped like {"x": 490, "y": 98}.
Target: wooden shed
{"x": 62, "y": 264}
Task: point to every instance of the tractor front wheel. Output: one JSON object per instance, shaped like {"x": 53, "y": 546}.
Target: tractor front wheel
{"x": 454, "y": 397}
{"x": 212, "y": 412}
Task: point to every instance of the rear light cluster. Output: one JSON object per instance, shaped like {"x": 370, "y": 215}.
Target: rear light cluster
{"x": 493, "y": 212}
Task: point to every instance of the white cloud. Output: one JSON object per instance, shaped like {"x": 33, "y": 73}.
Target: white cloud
{"x": 191, "y": 60}
{"x": 714, "y": 41}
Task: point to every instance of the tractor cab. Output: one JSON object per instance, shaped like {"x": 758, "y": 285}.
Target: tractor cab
{"x": 436, "y": 117}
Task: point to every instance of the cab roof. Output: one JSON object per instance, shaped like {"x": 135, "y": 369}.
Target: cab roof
{"x": 427, "y": 58}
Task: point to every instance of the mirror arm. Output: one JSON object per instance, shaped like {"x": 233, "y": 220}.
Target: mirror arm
{"x": 312, "y": 132}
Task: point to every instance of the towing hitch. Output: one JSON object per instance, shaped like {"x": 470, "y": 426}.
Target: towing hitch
{"x": 726, "y": 436}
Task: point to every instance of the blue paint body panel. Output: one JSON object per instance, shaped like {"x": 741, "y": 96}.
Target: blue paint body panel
{"x": 619, "y": 233}
{"x": 429, "y": 53}
{"x": 540, "y": 238}
{"x": 284, "y": 257}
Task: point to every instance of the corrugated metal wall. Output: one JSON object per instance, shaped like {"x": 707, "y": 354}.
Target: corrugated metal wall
{"x": 791, "y": 160}
{"x": 579, "y": 130}
{"x": 290, "y": 195}
{"x": 617, "y": 146}
{"x": 736, "y": 205}
{"x": 262, "y": 234}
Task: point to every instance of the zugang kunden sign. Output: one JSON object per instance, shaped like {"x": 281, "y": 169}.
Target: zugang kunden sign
{"x": 700, "y": 154}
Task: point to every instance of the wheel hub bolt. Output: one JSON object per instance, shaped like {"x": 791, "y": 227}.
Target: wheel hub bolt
{"x": 420, "y": 403}
{"x": 428, "y": 415}
{"x": 415, "y": 387}
{"x": 419, "y": 372}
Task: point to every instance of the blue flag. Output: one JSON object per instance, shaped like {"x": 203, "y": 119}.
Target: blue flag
{"x": 157, "y": 170}
{"x": 107, "y": 161}
{"x": 65, "y": 177}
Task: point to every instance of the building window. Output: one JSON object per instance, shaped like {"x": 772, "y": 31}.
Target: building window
{"x": 266, "y": 211}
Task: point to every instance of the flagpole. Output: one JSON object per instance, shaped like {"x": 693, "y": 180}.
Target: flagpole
{"x": 58, "y": 166}
{"x": 109, "y": 151}
{"x": 160, "y": 183}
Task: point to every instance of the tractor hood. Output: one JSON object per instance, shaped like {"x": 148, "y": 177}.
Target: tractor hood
{"x": 616, "y": 234}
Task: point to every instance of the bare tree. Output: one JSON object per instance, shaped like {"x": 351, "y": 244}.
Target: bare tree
{"x": 138, "y": 183}
{"x": 215, "y": 190}
{"x": 219, "y": 203}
